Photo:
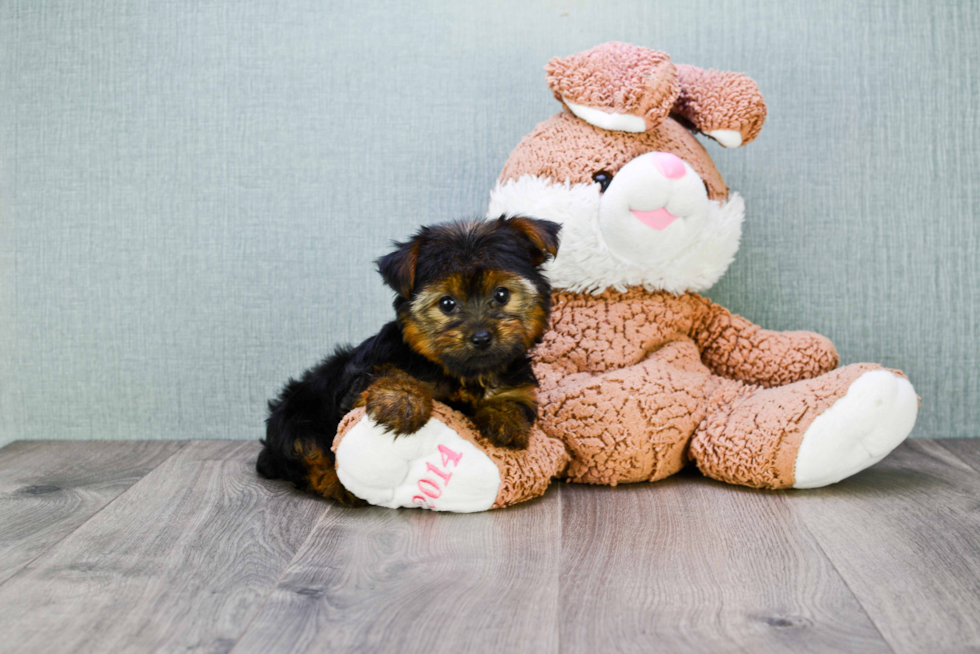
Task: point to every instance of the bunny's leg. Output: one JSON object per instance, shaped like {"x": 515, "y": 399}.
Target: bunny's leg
{"x": 444, "y": 466}
{"x": 807, "y": 434}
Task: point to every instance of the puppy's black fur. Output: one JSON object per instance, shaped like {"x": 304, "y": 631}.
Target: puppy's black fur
{"x": 471, "y": 300}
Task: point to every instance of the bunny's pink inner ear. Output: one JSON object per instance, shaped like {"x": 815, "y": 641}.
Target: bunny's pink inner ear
{"x": 616, "y": 86}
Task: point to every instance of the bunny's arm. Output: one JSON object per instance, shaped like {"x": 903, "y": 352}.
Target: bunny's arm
{"x": 735, "y": 348}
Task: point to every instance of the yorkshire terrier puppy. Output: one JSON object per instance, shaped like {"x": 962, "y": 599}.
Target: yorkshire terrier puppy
{"x": 471, "y": 300}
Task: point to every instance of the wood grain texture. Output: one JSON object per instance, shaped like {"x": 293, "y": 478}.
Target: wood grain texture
{"x": 199, "y": 555}
{"x": 692, "y": 565}
{"x": 905, "y": 536}
{"x": 375, "y": 580}
{"x": 48, "y": 489}
{"x": 966, "y": 449}
{"x": 180, "y": 562}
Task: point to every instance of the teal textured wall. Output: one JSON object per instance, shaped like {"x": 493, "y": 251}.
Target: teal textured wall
{"x": 191, "y": 193}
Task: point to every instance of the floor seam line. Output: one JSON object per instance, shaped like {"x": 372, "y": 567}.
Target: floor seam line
{"x": 840, "y": 575}
{"x": 275, "y": 584}
{"x": 558, "y": 569}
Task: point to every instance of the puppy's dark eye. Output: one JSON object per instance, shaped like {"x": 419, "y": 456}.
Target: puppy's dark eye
{"x": 447, "y": 304}
{"x": 501, "y": 296}
{"x": 602, "y": 178}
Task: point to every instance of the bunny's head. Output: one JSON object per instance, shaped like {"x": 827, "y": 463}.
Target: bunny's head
{"x": 640, "y": 200}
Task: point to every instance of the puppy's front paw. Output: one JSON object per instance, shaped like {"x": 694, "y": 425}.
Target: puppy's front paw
{"x": 503, "y": 424}
{"x": 400, "y": 403}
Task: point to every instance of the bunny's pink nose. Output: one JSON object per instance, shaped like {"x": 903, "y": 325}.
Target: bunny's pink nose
{"x": 669, "y": 165}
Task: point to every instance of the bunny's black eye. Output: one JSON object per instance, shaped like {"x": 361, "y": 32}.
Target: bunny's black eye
{"x": 501, "y": 295}
{"x": 447, "y": 304}
{"x": 602, "y": 178}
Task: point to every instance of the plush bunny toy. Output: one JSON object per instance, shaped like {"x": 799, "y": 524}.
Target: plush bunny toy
{"x": 640, "y": 375}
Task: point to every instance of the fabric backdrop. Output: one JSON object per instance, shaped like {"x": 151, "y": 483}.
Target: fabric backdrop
{"x": 192, "y": 193}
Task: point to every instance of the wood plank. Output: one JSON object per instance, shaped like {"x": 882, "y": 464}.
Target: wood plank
{"x": 181, "y": 561}
{"x": 692, "y": 565}
{"x": 388, "y": 581}
{"x": 966, "y": 449}
{"x": 49, "y": 488}
{"x": 905, "y": 536}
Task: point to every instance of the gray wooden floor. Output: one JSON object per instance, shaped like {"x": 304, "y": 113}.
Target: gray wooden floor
{"x": 165, "y": 546}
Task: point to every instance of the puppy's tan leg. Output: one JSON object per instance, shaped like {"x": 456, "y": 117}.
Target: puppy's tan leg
{"x": 506, "y": 417}
{"x": 397, "y": 401}
{"x": 321, "y": 476}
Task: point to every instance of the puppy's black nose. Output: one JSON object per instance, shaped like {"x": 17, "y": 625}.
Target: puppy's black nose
{"x": 481, "y": 339}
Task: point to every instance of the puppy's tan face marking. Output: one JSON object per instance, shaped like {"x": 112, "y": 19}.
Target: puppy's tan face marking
{"x": 475, "y": 321}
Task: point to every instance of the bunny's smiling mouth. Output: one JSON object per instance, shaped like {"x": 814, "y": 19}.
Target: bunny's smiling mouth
{"x": 659, "y": 219}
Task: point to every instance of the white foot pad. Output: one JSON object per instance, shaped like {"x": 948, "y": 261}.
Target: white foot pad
{"x": 434, "y": 468}
{"x": 858, "y": 430}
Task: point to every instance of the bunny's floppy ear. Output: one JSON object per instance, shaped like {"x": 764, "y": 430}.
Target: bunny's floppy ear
{"x": 398, "y": 268}
{"x": 728, "y": 107}
{"x": 616, "y": 86}
{"x": 543, "y": 235}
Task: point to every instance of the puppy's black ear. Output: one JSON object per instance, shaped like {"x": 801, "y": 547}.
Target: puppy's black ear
{"x": 398, "y": 268}
{"x": 543, "y": 235}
